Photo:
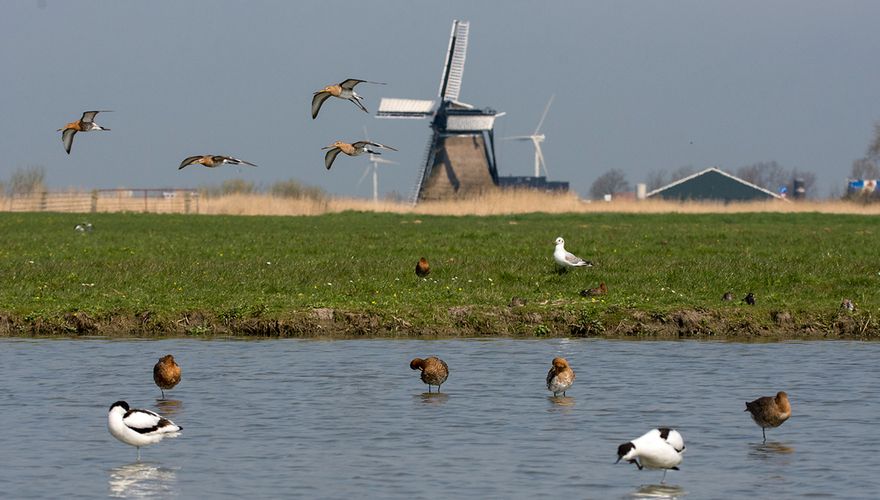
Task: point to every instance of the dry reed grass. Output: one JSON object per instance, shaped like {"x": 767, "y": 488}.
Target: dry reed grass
{"x": 497, "y": 203}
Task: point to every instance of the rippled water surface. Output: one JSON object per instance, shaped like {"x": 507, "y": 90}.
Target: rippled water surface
{"x": 349, "y": 419}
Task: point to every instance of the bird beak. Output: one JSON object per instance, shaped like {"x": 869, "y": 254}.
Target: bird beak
{"x": 618, "y": 460}
{"x": 327, "y": 147}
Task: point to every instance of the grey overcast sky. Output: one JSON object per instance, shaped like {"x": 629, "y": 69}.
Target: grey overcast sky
{"x": 640, "y": 85}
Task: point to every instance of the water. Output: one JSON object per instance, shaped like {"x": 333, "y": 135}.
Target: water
{"x": 349, "y": 419}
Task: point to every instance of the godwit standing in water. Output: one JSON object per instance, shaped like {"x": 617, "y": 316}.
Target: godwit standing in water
{"x": 565, "y": 259}
{"x": 658, "y": 449}
{"x": 770, "y": 411}
{"x": 84, "y": 124}
{"x": 353, "y": 149}
{"x": 422, "y": 267}
{"x": 434, "y": 371}
{"x": 212, "y": 161}
{"x": 560, "y": 377}
{"x": 344, "y": 90}
{"x": 139, "y": 427}
{"x": 166, "y": 373}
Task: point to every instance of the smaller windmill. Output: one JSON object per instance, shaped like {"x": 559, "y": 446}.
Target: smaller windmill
{"x": 537, "y": 138}
{"x": 375, "y": 161}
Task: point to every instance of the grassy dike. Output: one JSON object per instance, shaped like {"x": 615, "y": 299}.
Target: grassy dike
{"x": 351, "y": 275}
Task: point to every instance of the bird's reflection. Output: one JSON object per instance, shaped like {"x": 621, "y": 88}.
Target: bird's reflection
{"x": 169, "y": 407}
{"x": 659, "y": 491}
{"x": 433, "y": 398}
{"x": 142, "y": 480}
{"x": 561, "y": 400}
{"x": 770, "y": 450}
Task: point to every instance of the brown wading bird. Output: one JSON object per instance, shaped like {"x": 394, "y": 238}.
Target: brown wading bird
{"x": 84, "y": 124}
{"x": 212, "y": 161}
{"x": 422, "y": 268}
{"x": 434, "y": 371}
{"x": 560, "y": 377}
{"x": 353, "y": 149}
{"x": 166, "y": 373}
{"x": 344, "y": 90}
{"x": 600, "y": 290}
{"x": 770, "y": 411}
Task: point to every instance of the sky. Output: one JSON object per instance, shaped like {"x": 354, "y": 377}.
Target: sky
{"x": 639, "y": 85}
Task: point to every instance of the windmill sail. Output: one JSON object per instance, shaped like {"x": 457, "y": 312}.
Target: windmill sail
{"x": 453, "y": 70}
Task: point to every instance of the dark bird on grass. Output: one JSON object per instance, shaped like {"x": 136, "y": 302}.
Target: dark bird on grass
{"x": 592, "y": 292}
{"x": 560, "y": 377}
{"x": 434, "y": 371}
{"x": 769, "y": 411}
{"x": 422, "y": 267}
{"x": 166, "y": 373}
{"x": 517, "y": 302}
{"x": 354, "y": 149}
{"x": 848, "y": 305}
{"x": 344, "y": 90}
{"x": 727, "y": 297}
{"x": 212, "y": 161}
{"x": 84, "y": 124}
{"x": 749, "y": 299}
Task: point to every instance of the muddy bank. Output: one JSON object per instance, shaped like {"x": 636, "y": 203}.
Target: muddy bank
{"x": 463, "y": 321}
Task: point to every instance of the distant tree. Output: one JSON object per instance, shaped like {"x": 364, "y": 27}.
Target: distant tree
{"x": 681, "y": 172}
{"x": 231, "y": 186}
{"x": 864, "y": 168}
{"x": 612, "y": 181}
{"x": 874, "y": 147}
{"x": 656, "y": 179}
{"x": 27, "y": 180}
{"x": 766, "y": 174}
{"x": 295, "y": 189}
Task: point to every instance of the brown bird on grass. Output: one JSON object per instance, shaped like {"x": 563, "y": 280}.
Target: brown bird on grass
{"x": 166, "y": 373}
{"x": 344, "y": 90}
{"x": 84, "y": 124}
{"x": 560, "y": 377}
{"x": 434, "y": 371}
{"x": 423, "y": 268}
{"x": 354, "y": 149}
{"x": 212, "y": 161}
{"x": 600, "y": 290}
{"x": 770, "y": 411}
{"x": 727, "y": 297}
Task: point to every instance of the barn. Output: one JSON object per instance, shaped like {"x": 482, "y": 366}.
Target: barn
{"x": 712, "y": 184}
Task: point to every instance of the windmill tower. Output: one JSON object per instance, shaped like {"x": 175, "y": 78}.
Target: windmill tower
{"x": 460, "y": 156}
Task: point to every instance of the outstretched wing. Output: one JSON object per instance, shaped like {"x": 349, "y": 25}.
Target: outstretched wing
{"x": 188, "y": 161}
{"x": 89, "y": 116}
{"x": 330, "y": 157}
{"x": 361, "y": 144}
{"x": 317, "y": 100}
{"x": 234, "y": 161}
{"x": 67, "y": 138}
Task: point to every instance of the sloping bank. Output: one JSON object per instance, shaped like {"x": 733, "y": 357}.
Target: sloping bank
{"x": 524, "y": 322}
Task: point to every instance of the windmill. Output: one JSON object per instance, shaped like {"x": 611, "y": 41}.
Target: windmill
{"x": 460, "y": 155}
{"x": 537, "y": 139}
{"x": 375, "y": 161}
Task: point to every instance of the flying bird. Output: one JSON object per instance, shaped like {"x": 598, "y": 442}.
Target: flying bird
{"x": 212, "y": 161}
{"x": 560, "y": 377}
{"x": 84, "y": 124}
{"x": 770, "y": 411}
{"x": 434, "y": 371}
{"x": 166, "y": 373}
{"x": 344, "y": 90}
{"x": 660, "y": 448}
{"x": 139, "y": 427}
{"x": 422, "y": 267}
{"x": 353, "y": 149}
{"x": 565, "y": 259}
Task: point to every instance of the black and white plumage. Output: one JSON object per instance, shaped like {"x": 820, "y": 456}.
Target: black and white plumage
{"x": 139, "y": 427}
{"x": 354, "y": 149}
{"x": 565, "y": 259}
{"x": 83, "y": 227}
{"x": 343, "y": 90}
{"x": 660, "y": 448}
{"x": 212, "y": 161}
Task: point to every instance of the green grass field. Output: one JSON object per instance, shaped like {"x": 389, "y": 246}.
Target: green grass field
{"x": 186, "y": 274}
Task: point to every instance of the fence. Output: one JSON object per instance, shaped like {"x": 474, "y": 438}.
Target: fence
{"x": 170, "y": 200}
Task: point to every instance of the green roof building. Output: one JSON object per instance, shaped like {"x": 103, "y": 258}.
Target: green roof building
{"x": 713, "y": 184}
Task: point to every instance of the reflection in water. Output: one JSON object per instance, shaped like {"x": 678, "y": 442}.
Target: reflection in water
{"x": 434, "y": 398}
{"x": 561, "y": 400}
{"x": 659, "y": 491}
{"x": 770, "y": 450}
{"x": 142, "y": 480}
{"x": 168, "y": 407}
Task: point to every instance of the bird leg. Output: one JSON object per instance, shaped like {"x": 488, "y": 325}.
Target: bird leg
{"x": 764, "y": 433}
{"x": 663, "y": 479}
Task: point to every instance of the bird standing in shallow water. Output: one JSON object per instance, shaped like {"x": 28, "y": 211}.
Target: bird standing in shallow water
{"x": 139, "y": 427}
{"x": 212, "y": 161}
{"x": 565, "y": 259}
{"x": 770, "y": 411}
{"x": 344, "y": 90}
{"x": 353, "y": 149}
{"x": 560, "y": 377}
{"x": 660, "y": 448}
{"x": 422, "y": 267}
{"x": 434, "y": 371}
{"x": 84, "y": 124}
{"x": 166, "y": 373}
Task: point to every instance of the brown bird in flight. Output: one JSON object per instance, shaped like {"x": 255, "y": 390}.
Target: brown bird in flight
{"x": 166, "y": 373}
{"x": 769, "y": 411}
{"x": 344, "y": 90}
{"x": 434, "y": 371}
{"x": 423, "y": 268}
{"x": 212, "y": 161}
{"x": 84, "y": 124}
{"x": 354, "y": 149}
